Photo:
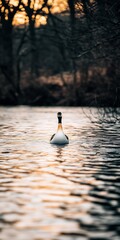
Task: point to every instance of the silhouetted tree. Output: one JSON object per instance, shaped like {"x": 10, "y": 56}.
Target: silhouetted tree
{"x": 7, "y": 13}
{"x": 98, "y": 38}
{"x": 32, "y": 12}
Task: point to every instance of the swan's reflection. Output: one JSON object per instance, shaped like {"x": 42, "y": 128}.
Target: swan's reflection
{"x": 59, "y": 152}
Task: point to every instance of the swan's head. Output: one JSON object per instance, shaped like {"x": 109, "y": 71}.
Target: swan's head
{"x": 59, "y": 115}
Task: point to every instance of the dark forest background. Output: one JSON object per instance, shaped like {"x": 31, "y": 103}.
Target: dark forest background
{"x": 73, "y": 60}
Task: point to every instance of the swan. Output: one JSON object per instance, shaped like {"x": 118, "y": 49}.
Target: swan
{"x": 59, "y": 137}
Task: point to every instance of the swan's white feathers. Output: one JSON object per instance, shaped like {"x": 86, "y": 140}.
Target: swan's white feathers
{"x": 59, "y": 137}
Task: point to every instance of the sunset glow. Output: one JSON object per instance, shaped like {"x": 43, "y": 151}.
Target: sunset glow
{"x": 21, "y": 17}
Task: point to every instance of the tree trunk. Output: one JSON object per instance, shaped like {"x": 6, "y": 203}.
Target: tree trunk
{"x": 34, "y": 55}
{"x": 7, "y": 51}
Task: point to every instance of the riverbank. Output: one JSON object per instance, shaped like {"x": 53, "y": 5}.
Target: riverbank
{"x": 60, "y": 90}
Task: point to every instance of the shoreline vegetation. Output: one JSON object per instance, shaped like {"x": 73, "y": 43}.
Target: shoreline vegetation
{"x": 52, "y": 91}
{"x": 72, "y": 60}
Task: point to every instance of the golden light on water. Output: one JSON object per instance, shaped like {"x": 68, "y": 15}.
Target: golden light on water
{"x": 21, "y": 17}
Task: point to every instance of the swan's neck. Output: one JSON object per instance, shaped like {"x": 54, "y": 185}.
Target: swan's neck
{"x": 60, "y": 127}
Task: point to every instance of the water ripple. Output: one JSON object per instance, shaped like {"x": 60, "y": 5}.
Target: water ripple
{"x": 58, "y": 193}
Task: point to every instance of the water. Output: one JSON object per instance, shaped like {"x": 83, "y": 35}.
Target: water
{"x": 58, "y": 193}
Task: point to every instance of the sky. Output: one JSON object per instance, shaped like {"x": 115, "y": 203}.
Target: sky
{"x": 21, "y": 18}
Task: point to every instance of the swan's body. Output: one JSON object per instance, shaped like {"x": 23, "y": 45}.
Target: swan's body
{"x": 59, "y": 138}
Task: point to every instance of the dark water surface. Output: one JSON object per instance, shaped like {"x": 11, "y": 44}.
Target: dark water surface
{"x": 58, "y": 193}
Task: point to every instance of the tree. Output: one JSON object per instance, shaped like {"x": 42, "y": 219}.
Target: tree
{"x": 7, "y": 13}
{"x": 10, "y": 60}
{"x": 97, "y": 40}
{"x": 32, "y": 11}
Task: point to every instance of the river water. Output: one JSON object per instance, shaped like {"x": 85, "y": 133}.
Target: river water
{"x": 52, "y": 192}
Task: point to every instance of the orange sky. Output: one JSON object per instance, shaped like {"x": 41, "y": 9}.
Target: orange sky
{"x": 57, "y": 6}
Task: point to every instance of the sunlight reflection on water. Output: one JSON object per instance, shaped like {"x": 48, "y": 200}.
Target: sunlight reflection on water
{"x": 58, "y": 193}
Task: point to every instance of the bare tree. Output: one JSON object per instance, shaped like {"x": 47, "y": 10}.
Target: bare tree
{"x": 97, "y": 41}
{"x": 32, "y": 12}
{"x": 7, "y": 13}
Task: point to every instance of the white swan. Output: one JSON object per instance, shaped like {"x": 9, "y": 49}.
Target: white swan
{"x": 59, "y": 137}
